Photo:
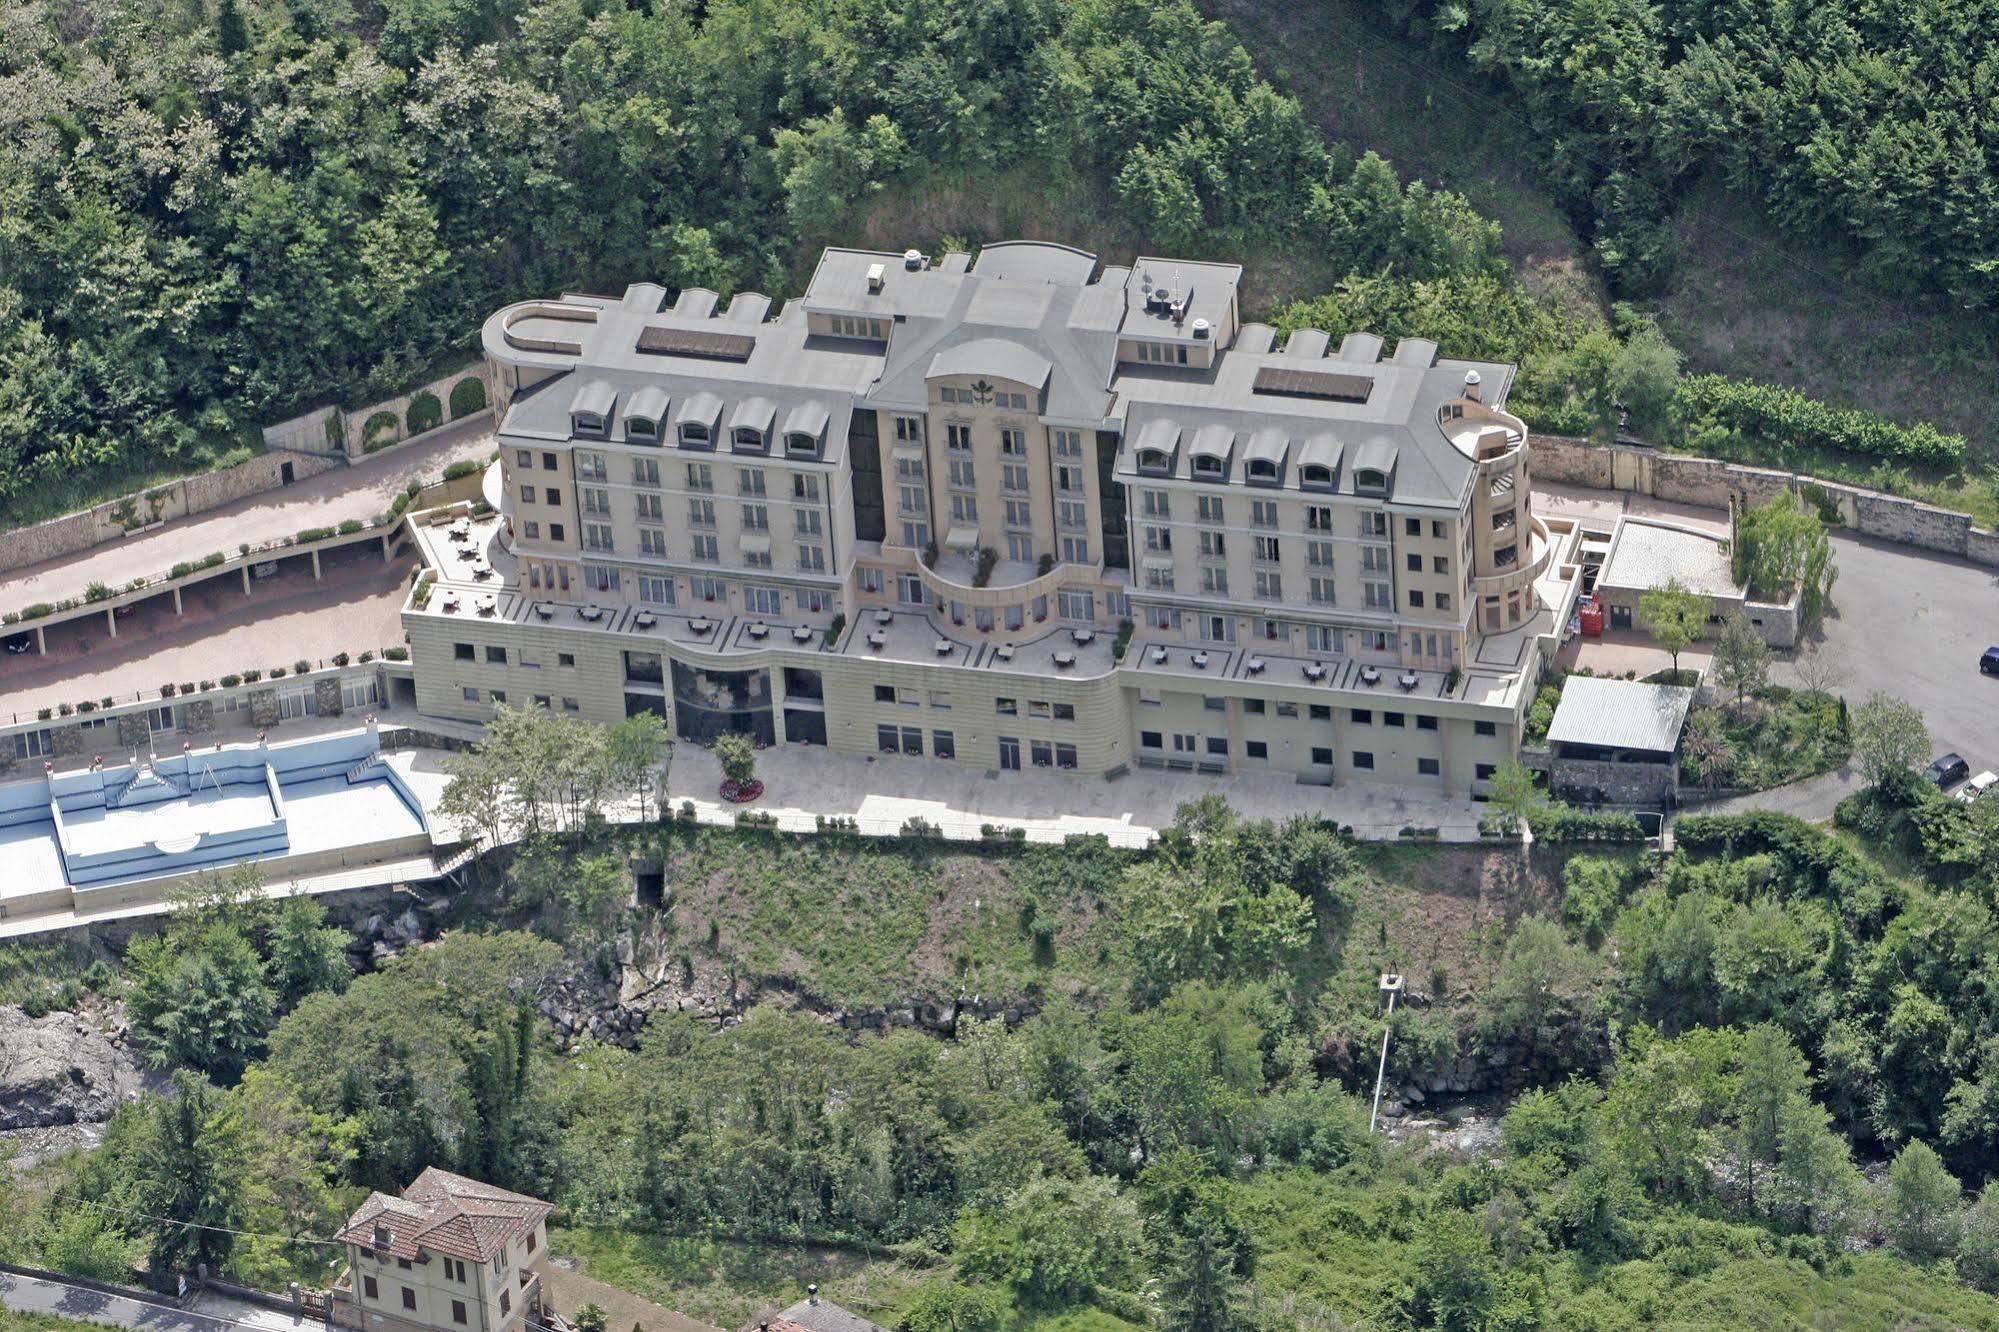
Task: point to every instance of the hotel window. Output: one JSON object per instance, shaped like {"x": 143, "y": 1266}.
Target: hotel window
{"x": 369, "y": 1287}
{"x": 912, "y": 499}
{"x": 1374, "y": 559}
{"x": 1213, "y": 545}
{"x": 757, "y": 559}
{"x": 597, "y": 536}
{"x": 1214, "y": 580}
{"x": 1209, "y": 509}
{"x": 1042, "y": 752}
{"x": 700, "y": 476}
{"x": 812, "y": 559}
{"x": 700, "y": 512}
{"x": 495, "y": 655}
{"x": 965, "y": 508}
{"x": 1069, "y": 479}
{"x": 1319, "y": 554}
{"x": 1376, "y": 640}
{"x": 458, "y": 1311}
{"x": 707, "y": 589}
{"x": 1505, "y": 556}
{"x": 909, "y": 589}
{"x": 916, "y": 535}
{"x": 523, "y": 458}
{"x": 1428, "y": 767}
{"x": 804, "y": 487}
{"x": 645, "y": 471}
{"x": 555, "y": 531}
{"x": 756, "y": 518}
{"x": 652, "y": 541}
{"x": 1443, "y": 601}
{"x": 1483, "y": 771}
{"x": 814, "y": 599}
{"x": 958, "y": 438}
{"x": 1013, "y": 443}
{"x": 527, "y": 494}
{"x": 1321, "y": 592}
{"x": 1256, "y": 749}
{"x": 1068, "y": 444}
{"x": 1075, "y": 550}
{"x": 1265, "y": 550}
{"x": 648, "y": 507}
{"x": 1363, "y": 759}
{"x": 909, "y": 429}
{"x": 1019, "y": 514}
{"x": 1156, "y": 503}
{"x": 1415, "y": 600}
{"x": 409, "y": 1298}
{"x": 601, "y": 577}
{"x": 471, "y": 694}
{"x": 806, "y": 522}
{"x": 590, "y": 466}
{"x": 1379, "y": 596}
{"x": 1076, "y": 605}
{"x": 655, "y": 590}
{"x": 1440, "y": 564}
{"x": 1269, "y": 585}
{"x": 1394, "y": 719}
{"x": 532, "y": 530}
{"x": 1159, "y": 580}
{"x": 762, "y": 600}
{"x": 1006, "y": 707}
{"x": 1425, "y": 722}
{"x": 749, "y": 481}
{"x": 1072, "y": 514}
{"x": 1484, "y": 728}
{"x": 943, "y": 744}
{"x": 596, "y": 501}
{"x": 1318, "y": 518}
{"x": 962, "y": 473}
{"x": 1159, "y": 539}
{"x": 548, "y": 463}
{"x": 1020, "y": 547}
{"x": 1065, "y": 756}
{"x": 1263, "y": 513}
{"x": 1373, "y": 523}
{"x": 706, "y": 548}
{"x": 1013, "y": 476}
{"x": 1325, "y": 638}
{"x": 550, "y": 495}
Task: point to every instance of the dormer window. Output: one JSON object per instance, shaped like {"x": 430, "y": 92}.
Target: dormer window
{"x": 586, "y": 423}
{"x": 1210, "y": 468}
{"x": 641, "y": 431}
{"x": 693, "y": 435}
{"x": 746, "y": 439}
{"x": 1155, "y": 460}
{"x": 1262, "y": 471}
{"x": 1368, "y": 478}
{"x": 798, "y": 444}
{"x": 1314, "y": 477}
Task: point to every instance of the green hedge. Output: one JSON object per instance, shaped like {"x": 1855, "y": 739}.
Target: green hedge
{"x": 425, "y": 413}
{"x": 463, "y": 467}
{"x": 468, "y": 395}
{"x": 1559, "y": 823}
{"x": 1767, "y": 418}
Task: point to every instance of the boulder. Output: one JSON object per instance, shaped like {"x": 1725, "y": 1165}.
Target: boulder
{"x": 57, "y": 1070}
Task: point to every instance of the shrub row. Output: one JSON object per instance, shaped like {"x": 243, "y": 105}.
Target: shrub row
{"x": 1559, "y": 823}
{"x": 1774, "y": 417}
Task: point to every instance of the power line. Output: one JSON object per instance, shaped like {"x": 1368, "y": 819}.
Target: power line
{"x": 58, "y": 1196}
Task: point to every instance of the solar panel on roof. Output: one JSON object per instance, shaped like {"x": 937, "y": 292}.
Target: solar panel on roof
{"x": 1287, "y": 382}
{"x": 702, "y": 342}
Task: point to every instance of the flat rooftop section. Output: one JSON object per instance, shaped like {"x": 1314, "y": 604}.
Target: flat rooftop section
{"x": 1646, "y": 554}
{"x": 329, "y": 812}
{"x": 1620, "y": 714}
{"x": 233, "y": 808}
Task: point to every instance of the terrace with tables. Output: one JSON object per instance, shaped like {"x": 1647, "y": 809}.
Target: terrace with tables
{"x": 1252, "y": 662}
{"x": 918, "y": 636}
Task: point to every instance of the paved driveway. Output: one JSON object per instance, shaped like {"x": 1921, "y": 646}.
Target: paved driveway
{"x": 361, "y": 491}
{"x": 1914, "y": 625}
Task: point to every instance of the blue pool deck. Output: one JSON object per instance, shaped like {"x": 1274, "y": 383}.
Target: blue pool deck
{"x": 100, "y": 836}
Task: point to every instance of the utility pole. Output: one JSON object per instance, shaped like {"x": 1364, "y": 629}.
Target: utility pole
{"x": 1391, "y": 985}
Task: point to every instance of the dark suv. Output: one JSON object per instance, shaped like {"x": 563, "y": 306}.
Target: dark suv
{"x": 1947, "y": 771}
{"x": 1989, "y": 663}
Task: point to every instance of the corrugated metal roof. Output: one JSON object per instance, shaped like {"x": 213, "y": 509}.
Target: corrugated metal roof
{"x": 1620, "y": 714}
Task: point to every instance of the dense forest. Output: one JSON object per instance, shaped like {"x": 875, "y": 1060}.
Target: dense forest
{"x": 1870, "y": 125}
{"x": 1753, "y": 1082}
{"x": 214, "y": 213}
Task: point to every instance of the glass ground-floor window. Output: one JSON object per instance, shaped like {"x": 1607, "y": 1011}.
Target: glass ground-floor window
{"x": 1009, "y": 753}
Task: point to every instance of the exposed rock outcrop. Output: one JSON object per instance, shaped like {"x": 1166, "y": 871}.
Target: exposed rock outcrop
{"x": 59, "y": 1069}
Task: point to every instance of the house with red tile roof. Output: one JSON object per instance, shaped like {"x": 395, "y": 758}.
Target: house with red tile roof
{"x": 450, "y": 1255}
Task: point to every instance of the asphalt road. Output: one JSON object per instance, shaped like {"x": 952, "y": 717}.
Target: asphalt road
{"x": 24, "y": 1294}
{"x": 1913, "y": 626}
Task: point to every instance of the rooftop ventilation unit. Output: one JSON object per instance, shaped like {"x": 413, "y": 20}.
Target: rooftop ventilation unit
{"x": 1471, "y": 386}
{"x": 1202, "y": 328}
{"x": 700, "y": 342}
{"x": 913, "y": 260}
{"x": 876, "y": 276}
{"x": 1324, "y": 384}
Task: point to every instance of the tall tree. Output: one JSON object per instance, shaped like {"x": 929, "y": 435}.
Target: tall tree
{"x": 1741, "y": 657}
{"x": 1675, "y": 615}
{"x": 189, "y": 1169}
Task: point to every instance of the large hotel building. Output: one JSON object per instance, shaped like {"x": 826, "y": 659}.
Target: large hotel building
{"x": 1020, "y": 511}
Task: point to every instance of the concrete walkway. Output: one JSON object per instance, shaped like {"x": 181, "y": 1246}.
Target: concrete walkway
{"x": 359, "y": 491}
{"x": 212, "y": 1313}
{"x": 1814, "y": 799}
{"x": 885, "y": 792}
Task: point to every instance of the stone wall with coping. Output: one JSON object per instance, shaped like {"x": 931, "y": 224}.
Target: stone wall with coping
{"x": 1599, "y": 782}
{"x": 73, "y": 532}
{"x": 1712, "y": 483}
{"x": 355, "y": 423}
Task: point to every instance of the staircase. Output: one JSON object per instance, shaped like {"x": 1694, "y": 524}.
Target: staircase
{"x": 148, "y": 788}
{"x": 360, "y": 771}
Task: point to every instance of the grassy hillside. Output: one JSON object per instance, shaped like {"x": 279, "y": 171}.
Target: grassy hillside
{"x": 1743, "y": 300}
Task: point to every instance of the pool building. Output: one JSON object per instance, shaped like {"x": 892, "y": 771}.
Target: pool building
{"x": 107, "y": 837}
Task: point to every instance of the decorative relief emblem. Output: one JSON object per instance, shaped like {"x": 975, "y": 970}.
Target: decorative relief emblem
{"x": 982, "y": 393}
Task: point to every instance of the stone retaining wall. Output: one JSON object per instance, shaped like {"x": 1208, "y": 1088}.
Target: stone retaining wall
{"x": 1711, "y": 483}
{"x": 113, "y": 519}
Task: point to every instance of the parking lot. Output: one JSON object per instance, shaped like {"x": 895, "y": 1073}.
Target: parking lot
{"x": 353, "y": 607}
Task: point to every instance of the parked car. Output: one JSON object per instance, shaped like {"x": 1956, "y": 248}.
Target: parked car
{"x": 20, "y": 643}
{"x": 1947, "y": 771}
{"x": 1977, "y": 786}
{"x": 1989, "y": 663}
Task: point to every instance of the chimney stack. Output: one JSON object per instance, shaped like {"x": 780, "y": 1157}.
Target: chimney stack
{"x": 1472, "y": 389}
